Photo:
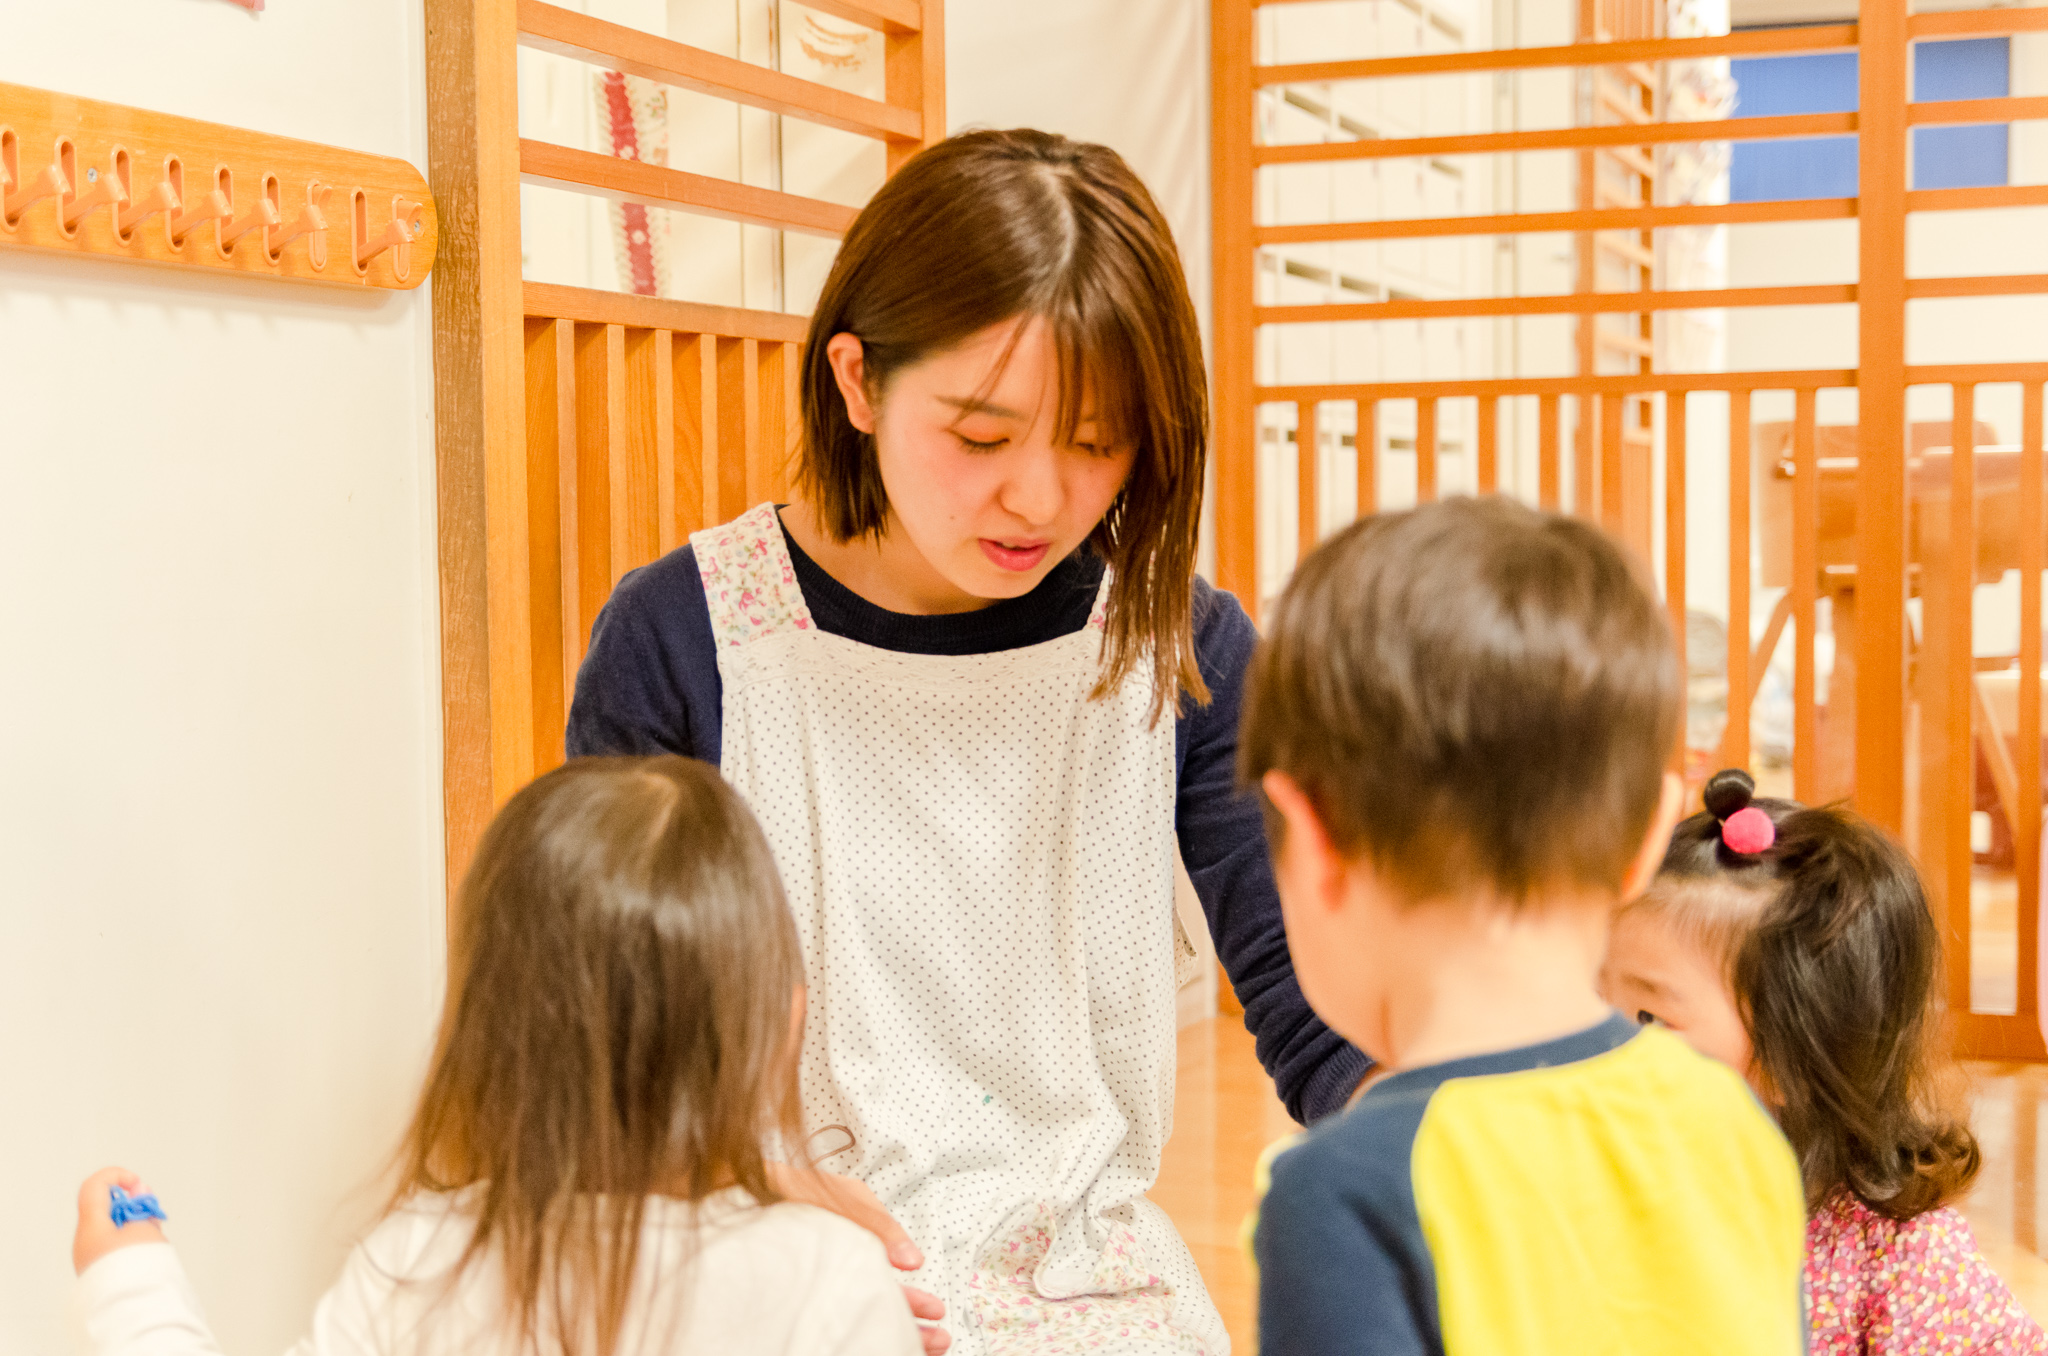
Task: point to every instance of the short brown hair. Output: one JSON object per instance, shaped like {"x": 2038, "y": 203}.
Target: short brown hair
{"x": 1472, "y": 694}
{"x": 617, "y": 1025}
{"x": 1834, "y": 959}
{"x": 987, "y": 227}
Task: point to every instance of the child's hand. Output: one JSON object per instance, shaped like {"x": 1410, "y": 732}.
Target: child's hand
{"x": 97, "y": 1233}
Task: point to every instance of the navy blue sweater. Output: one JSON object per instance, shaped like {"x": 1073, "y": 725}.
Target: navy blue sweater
{"x": 650, "y": 685}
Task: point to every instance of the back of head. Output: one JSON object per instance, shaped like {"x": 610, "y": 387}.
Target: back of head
{"x": 1476, "y": 695}
{"x": 617, "y": 1025}
{"x": 1833, "y": 958}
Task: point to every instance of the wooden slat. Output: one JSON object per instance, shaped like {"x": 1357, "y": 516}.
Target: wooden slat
{"x": 629, "y": 181}
{"x": 647, "y": 445}
{"x": 600, "y": 439}
{"x": 891, "y": 16}
{"x": 598, "y": 307}
{"x": 1489, "y": 444}
{"x": 768, "y": 465}
{"x": 2026, "y": 830}
{"x": 1805, "y": 594}
{"x": 1957, "y": 791}
{"x": 1943, "y": 111}
{"x": 1597, "y": 303}
{"x": 1613, "y": 383}
{"x": 565, "y": 531}
{"x": 583, "y": 37}
{"x": 1881, "y": 415}
{"x": 1735, "y": 739}
{"x": 1305, "y": 488}
{"x": 1756, "y": 42}
{"x": 1975, "y": 373}
{"x": 1561, "y": 138}
{"x": 1971, "y": 199}
{"x": 914, "y": 77}
{"x": 2007, "y": 285}
{"x": 550, "y": 436}
{"x": 487, "y": 742}
{"x": 1548, "y": 472}
{"x": 1613, "y": 505}
{"x": 1232, "y": 280}
{"x": 1425, "y": 450}
{"x": 1368, "y": 450}
{"x": 697, "y": 421}
{"x": 1602, "y": 219}
{"x": 1674, "y": 528}
{"x": 1982, "y": 22}
{"x": 739, "y": 428}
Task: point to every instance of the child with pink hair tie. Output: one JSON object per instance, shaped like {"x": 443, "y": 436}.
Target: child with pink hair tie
{"x": 1795, "y": 945}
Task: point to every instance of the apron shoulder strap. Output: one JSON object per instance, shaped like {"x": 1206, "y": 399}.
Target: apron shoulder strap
{"x": 749, "y": 585}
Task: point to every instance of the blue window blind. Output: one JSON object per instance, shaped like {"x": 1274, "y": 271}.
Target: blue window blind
{"x": 1825, "y": 82}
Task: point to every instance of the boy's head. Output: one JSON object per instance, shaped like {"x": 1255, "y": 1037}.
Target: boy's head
{"x": 1472, "y": 701}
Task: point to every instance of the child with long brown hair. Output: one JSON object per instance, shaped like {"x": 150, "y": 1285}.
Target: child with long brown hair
{"x": 588, "y": 1169}
{"x": 1795, "y": 945}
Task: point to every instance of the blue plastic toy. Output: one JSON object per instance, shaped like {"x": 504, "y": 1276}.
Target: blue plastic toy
{"x": 127, "y": 1209}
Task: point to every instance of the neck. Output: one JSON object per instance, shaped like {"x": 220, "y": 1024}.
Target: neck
{"x": 887, "y": 571}
{"x": 1478, "y": 978}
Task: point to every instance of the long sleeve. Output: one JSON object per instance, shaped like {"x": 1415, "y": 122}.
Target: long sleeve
{"x": 649, "y": 682}
{"x": 1937, "y": 1296}
{"x": 137, "y": 1301}
{"x": 1223, "y": 843}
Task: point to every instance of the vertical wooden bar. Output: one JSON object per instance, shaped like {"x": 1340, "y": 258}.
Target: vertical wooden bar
{"x": 739, "y": 428}
{"x": 1613, "y": 504}
{"x": 1367, "y": 446}
{"x": 1674, "y": 523}
{"x": 550, "y": 440}
{"x": 487, "y": 738}
{"x": 1489, "y": 445}
{"x": 1233, "y": 257}
{"x": 1425, "y": 450}
{"x": 600, "y": 439}
{"x": 1585, "y": 500}
{"x": 1307, "y": 509}
{"x": 1805, "y": 593}
{"x": 649, "y": 442}
{"x": 1881, "y": 520}
{"x": 1735, "y": 742}
{"x": 768, "y": 463}
{"x": 696, "y": 415}
{"x": 2026, "y": 833}
{"x": 1958, "y": 791}
{"x": 914, "y": 76}
{"x": 1548, "y": 494}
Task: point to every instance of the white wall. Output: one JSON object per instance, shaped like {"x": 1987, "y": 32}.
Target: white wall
{"x": 220, "y": 882}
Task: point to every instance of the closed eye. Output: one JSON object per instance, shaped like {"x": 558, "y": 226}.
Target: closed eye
{"x": 973, "y": 446}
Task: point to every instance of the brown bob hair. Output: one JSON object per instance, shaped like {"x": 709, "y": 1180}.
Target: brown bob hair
{"x": 1832, "y": 955}
{"x": 988, "y": 227}
{"x": 1473, "y": 695}
{"x": 618, "y": 1025}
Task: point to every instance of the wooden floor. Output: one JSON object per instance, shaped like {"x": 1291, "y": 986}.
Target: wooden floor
{"x": 1225, "y": 1114}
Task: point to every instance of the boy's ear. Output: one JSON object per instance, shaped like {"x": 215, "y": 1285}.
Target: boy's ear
{"x": 1670, "y": 807}
{"x": 1306, "y": 856}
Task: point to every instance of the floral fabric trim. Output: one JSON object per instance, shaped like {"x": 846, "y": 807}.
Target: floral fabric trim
{"x": 1127, "y": 1308}
{"x": 749, "y": 585}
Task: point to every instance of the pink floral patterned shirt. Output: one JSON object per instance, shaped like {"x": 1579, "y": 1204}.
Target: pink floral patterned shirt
{"x": 1918, "y": 1287}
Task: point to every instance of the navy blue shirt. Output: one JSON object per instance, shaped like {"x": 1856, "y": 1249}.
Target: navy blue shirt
{"x": 650, "y": 685}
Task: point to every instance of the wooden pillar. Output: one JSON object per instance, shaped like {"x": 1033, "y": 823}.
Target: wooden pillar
{"x": 1234, "y": 257}
{"x": 487, "y": 686}
{"x": 914, "y": 77}
{"x": 1881, "y": 415}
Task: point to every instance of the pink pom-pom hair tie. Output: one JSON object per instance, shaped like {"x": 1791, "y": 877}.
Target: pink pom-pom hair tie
{"x": 1748, "y": 831}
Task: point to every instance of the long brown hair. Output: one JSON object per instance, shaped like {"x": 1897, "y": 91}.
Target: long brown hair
{"x": 1832, "y": 955}
{"x": 617, "y": 1026}
{"x": 988, "y": 227}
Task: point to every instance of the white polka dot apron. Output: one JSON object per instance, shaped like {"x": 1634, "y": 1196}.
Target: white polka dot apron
{"x": 980, "y": 861}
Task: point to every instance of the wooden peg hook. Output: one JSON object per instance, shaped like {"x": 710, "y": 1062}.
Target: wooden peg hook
{"x": 204, "y": 207}
{"x": 232, "y": 228}
{"x": 136, "y": 210}
{"x": 18, "y": 194}
{"x": 311, "y": 221}
{"x": 74, "y": 206}
{"x": 396, "y": 235}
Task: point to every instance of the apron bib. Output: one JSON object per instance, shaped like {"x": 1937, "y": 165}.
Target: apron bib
{"x": 980, "y": 863}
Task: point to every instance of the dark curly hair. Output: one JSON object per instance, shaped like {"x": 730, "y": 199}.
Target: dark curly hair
{"x": 1833, "y": 957}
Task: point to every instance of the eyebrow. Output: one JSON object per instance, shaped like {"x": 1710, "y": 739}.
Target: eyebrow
{"x": 972, "y": 406}
{"x": 1636, "y": 977}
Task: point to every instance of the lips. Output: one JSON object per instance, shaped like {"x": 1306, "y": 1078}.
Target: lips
{"x": 1017, "y": 556}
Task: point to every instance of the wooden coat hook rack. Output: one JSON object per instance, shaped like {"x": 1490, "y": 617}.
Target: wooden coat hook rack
{"x": 78, "y": 176}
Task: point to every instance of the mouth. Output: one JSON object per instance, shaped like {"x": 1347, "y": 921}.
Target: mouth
{"x": 1014, "y": 555}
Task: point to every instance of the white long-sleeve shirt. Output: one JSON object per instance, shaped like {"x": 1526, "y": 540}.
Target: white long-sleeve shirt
{"x": 739, "y": 1280}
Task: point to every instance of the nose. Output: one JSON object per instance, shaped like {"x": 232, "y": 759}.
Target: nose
{"x": 1032, "y": 492}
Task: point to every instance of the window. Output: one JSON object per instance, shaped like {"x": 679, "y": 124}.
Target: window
{"x": 1825, "y": 167}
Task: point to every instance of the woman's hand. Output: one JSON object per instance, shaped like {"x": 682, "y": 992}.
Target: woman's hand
{"x": 97, "y": 1233}
{"x": 851, "y": 1200}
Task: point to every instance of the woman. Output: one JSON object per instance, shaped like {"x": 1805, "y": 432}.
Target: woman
{"x": 970, "y": 684}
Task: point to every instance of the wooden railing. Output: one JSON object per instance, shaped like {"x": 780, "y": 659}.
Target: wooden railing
{"x": 583, "y": 433}
{"x": 1911, "y": 722}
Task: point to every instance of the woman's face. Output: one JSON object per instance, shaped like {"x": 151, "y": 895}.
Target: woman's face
{"x": 1654, "y": 974}
{"x": 977, "y": 484}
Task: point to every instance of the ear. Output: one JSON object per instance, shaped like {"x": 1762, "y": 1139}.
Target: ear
{"x": 1643, "y": 870}
{"x": 849, "y": 370}
{"x": 1307, "y": 858}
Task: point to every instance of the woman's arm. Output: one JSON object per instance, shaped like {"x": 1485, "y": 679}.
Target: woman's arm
{"x": 649, "y": 682}
{"x": 1223, "y": 844}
